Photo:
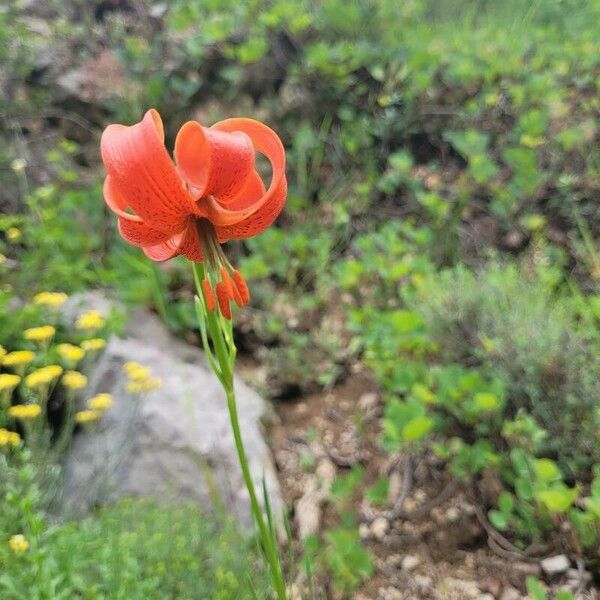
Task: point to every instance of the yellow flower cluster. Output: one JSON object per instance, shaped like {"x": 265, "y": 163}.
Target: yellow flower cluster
{"x": 100, "y": 402}
{"x": 2, "y": 258}
{"x": 39, "y": 334}
{"x": 74, "y": 380}
{"x": 13, "y": 234}
{"x": 93, "y": 345}
{"x": 25, "y": 411}
{"x": 9, "y": 438}
{"x": 18, "y": 544}
{"x": 140, "y": 379}
{"x": 90, "y": 320}
{"x": 2, "y": 353}
{"x": 52, "y": 299}
{"x": 86, "y": 416}
{"x": 71, "y": 353}
{"x": 43, "y": 377}
{"x": 18, "y": 358}
{"x": 9, "y": 382}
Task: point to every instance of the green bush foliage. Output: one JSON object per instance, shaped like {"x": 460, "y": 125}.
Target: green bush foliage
{"x": 133, "y": 550}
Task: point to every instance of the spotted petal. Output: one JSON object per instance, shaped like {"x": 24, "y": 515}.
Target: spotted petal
{"x": 214, "y": 163}
{"x": 143, "y": 176}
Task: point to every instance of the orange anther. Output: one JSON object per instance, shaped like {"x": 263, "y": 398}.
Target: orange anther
{"x": 227, "y": 281}
{"x": 208, "y": 295}
{"x": 242, "y": 288}
{"x": 223, "y": 297}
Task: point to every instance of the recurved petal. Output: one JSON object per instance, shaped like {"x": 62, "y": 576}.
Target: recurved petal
{"x": 139, "y": 234}
{"x": 164, "y": 250}
{"x": 214, "y": 163}
{"x": 185, "y": 243}
{"x": 252, "y": 193}
{"x": 142, "y": 175}
{"x": 260, "y": 213}
{"x": 131, "y": 227}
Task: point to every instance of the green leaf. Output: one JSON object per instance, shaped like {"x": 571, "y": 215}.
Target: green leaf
{"x": 486, "y": 401}
{"x": 498, "y": 519}
{"x": 564, "y": 595}
{"x": 559, "y": 499}
{"x": 377, "y": 494}
{"x": 506, "y": 502}
{"x": 535, "y": 589}
{"x": 546, "y": 469}
{"x": 417, "y": 429}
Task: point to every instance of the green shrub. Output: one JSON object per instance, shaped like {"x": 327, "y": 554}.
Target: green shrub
{"x": 515, "y": 322}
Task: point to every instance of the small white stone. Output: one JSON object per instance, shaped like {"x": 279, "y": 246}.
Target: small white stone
{"x": 367, "y": 401}
{"x": 486, "y": 597}
{"x": 452, "y": 515}
{"x": 363, "y": 531}
{"x": 422, "y": 581}
{"x": 510, "y": 593}
{"x": 410, "y": 562}
{"x": 379, "y": 527}
{"x": 325, "y": 473}
{"x": 555, "y": 565}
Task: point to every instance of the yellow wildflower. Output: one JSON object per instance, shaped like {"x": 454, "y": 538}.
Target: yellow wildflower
{"x": 13, "y": 234}
{"x": 2, "y": 354}
{"x": 18, "y": 544}
{"x": 43, "y": 377}
{"x": 86, "y": 416}
{"x": 18, "y": 358}
{"x": 70, "y": 352}
{"x": 74, "y": 380}
{"x": 144, "y": 385}
{"x": 9, "y": 438}
{"x": 39, "y": 334}
{"x": 2, "y": 258}
{"x": 91, "y": 319}
{"x": 135, "y": 371}
{"x": 9, "y": 382}
{"x": 139, "y": 378}
{"x": 93, "y": 345}
{"x": 25, "y": 411}
{"x": 53, "y": 299}
{"x": 100, "y": 402}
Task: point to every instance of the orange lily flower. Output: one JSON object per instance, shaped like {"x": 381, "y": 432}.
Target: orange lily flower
{"x": 211, "y": 194}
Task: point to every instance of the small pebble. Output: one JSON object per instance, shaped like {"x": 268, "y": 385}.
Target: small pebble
{"x": 410, "y": 562}
{"x": 555, "y": 565}
{"x": 367, "y": 401}
{"x": 379, "y": 527}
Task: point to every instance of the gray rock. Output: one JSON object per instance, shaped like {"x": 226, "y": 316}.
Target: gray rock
{"x": 175, "y": 443}
{"x": 555, "y": 565}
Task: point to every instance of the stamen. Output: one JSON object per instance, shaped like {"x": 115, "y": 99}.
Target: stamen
{"x": 223, "y": 298}
{"x": 227, "y": 281}
{"x": 208, "y": 295}
{"x": 232, "y": 285}
{"x": 242, "y": 288}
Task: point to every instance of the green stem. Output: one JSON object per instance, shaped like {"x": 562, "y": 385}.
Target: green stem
{"x": 225, "y": 351}
{"x": 267, "y": 539}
